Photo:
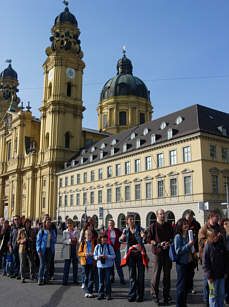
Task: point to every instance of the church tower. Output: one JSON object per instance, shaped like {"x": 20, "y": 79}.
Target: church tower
{"x": 62, "y": 107}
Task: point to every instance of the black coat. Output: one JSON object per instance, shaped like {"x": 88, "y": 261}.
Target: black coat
{"x": 4, "y": 240}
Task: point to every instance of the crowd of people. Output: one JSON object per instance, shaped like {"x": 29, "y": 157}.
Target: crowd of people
{"x": 29, "y": 251}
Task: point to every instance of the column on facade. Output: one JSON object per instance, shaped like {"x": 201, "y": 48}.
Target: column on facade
{"x": 1, "y": 197}
{"x": 18, "y": 194}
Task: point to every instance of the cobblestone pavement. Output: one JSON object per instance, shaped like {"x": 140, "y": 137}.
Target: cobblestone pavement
{"x": 15, "y": 294}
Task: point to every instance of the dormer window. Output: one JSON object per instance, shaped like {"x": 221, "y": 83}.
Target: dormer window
{"x": 81, "y": 160}
{"x": 170, "y": 134}
{"x": 92, "y": 148}
{"x": 138, "y": 143}
{"x": 153, "y": 138}
{"x": 223, "y": 130}
{"x": 114, "y": 142}
{"x": 83, "y": 152}
{"x": 179, "y": 120}
{"x": 132, "y": 136}
{"x": 91, "y": 158}
{"x": 163, "y": 125}
{"x": 101, "y": 155}
{"x": 102, "y": 146}
{"x": 124, "y": 147}
{"x": 112, "y": 151}
{"x": 73, "y": 163}
{"x": 145, "y": 131}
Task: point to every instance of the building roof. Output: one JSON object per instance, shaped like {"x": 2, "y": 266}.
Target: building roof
{"x": 9, "y": 72}
{"x": 96, "y": 131}
{"x": 190, "y": 120}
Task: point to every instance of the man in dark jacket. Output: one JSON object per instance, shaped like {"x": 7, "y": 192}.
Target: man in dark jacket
{"x": 4, "y": 242}
{"x": 13, "y": 246}
{"x": 160, "y": 236}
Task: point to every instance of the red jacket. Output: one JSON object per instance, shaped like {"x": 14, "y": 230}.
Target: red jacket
{"x": 116, "y": 245}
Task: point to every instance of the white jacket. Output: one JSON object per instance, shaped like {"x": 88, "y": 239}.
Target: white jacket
{"x": 66, "y": 249}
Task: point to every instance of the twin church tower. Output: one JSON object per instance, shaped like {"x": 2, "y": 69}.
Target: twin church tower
{"x": 32, "y": 150}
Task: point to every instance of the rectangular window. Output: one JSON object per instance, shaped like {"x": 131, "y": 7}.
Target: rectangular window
{"x": 127, "y": 168}
{"x": 109, "y": 171}
{"x": 84, "y": 198}
{"x": 213, "y": 152}
{"x": 43, "y": 203}
{"x": 60, "y": 183}
{"x": 160, "y": 188}
{"x": 173, "y": 187}
{"x": 60, "y": 201}
{"x": 118, "y": 194}
{"x": 187, "y": 185}
{"x": 65, "y": 200}
{"x": 148, "y": 190}
{"x": 118, "y": 170}
{"x": 9, "y": 150}
{"x": 85, "y": 177}
{"x": 215, "y": 185}
{"x": 71, "y": 200}
{"x": 92, "y": 197}
{"x": 66, "y": 181}
{"x": 173, "y": 157}
{"x": 148, "y": 163}
{"x": 100, "y": 173}
{"x": 109, "y": 196}
{"x": 77, "y": 199}
{"x": 160, "y": 160}
{"x": 78, "y": 178}
{"x": 187, "y": 154}
{"x": 137, "y": 165}
{"x": 225, "y": 155}
{"x": 92, "y": 175}
{"x": 100, "y": 197}
{"x": 137, "y": 191}
{"x": 127, "y": 193}
{"x": 72, "y": 180}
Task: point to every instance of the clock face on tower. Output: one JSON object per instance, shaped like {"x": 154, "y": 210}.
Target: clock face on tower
{"x": 70, "y": 73}
{"x": 50, "y": 75}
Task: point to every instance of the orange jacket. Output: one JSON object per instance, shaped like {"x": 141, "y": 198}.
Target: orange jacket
{"x": 83, "y": 250}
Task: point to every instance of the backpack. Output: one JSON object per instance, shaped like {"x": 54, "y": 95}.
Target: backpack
{"x": 172, "y": 253}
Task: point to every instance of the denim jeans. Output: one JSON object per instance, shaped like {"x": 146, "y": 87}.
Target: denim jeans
{"x": 117, "y": 262}
{"x": 4, "y": 264}
{"x": 8, "y": 268}
{"x": 82, "y": 273}
{"x": 45, "y": 265}
{"x": 89, "y": 278}
{"x": 182, "y": 284}
{"x": 16, "y": 261}
{"x": 137, "y": 275}
{"x": 104, "y": 277}
{"x": 67, "y": 263}
{"x": 217, "y": 300}
{"x": 205, "y": 291}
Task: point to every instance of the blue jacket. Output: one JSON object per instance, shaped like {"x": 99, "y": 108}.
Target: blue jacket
{"x": 107, "y": 251}
{"x": 138, "y": 237}
{"x": 182, "y": 248}
{"x": 41, "y": 243}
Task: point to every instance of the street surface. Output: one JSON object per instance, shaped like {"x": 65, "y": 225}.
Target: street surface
{"x": 15, "y": 294}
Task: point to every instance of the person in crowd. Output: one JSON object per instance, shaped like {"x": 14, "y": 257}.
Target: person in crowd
{"x": 113, "y": 239}
{"x": 13, "y": 246}
{"x": 136, "y": 259}
{"x": 86, "y": 252}
{"x": 22, "y": 220}
{"x": 26, "y": 240}
{"x": 4, "y": 245}
{"x": 211, "y": 225}
{"x": 52, "y": 263}
{"x": 2, "y": 219}
{"x": 45, "y": 246}
{"x": 224, "y": 224}
{"x": 195, "y": 227}
{"x": 215, "y": 267}
{"x": 160, "y": 235}
{"x": 104, "y": 255}
{"x": 70, "y": 252}
{"x": 183, "y": 248}
{"x": 9, "y": 262}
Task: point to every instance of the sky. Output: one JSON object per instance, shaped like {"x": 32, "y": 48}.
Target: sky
{"x": 179, "y": 48}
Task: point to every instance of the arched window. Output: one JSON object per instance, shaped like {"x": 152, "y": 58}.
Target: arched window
{"x": 151, "y": 218}
{"x": 169, "y": 217}
{"x": 137, "y": 219}
{"x": 121, "y": 221}
{"x": 47, "y": 140}
{"x": 69, "y": 89}
{"x": 142, "y": 118}
{"x": 67, "y": 140}
{"x": 108, "y": 217}
{"x": 95, "y": 217}
{"x": 122, "y": 118}
{"x": 50, "y": 90}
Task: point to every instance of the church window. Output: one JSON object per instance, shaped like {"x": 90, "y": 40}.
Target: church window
{"x": 50, "y": 90}
{"x": 69, "y": 89}
{"x": 122, "y": 118}
{"x": 142, "y": 118}
{"x": 9, "y": 150}
{"x": 104, "y": 120}
{"x": 67, "y": 140}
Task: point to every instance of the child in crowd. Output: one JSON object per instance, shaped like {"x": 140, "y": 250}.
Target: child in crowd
{"x": 86, "y": 251}
{"x": 215, "y": 268}
{"x": 9, "y": 261}
{"x": 104, "y": 255}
